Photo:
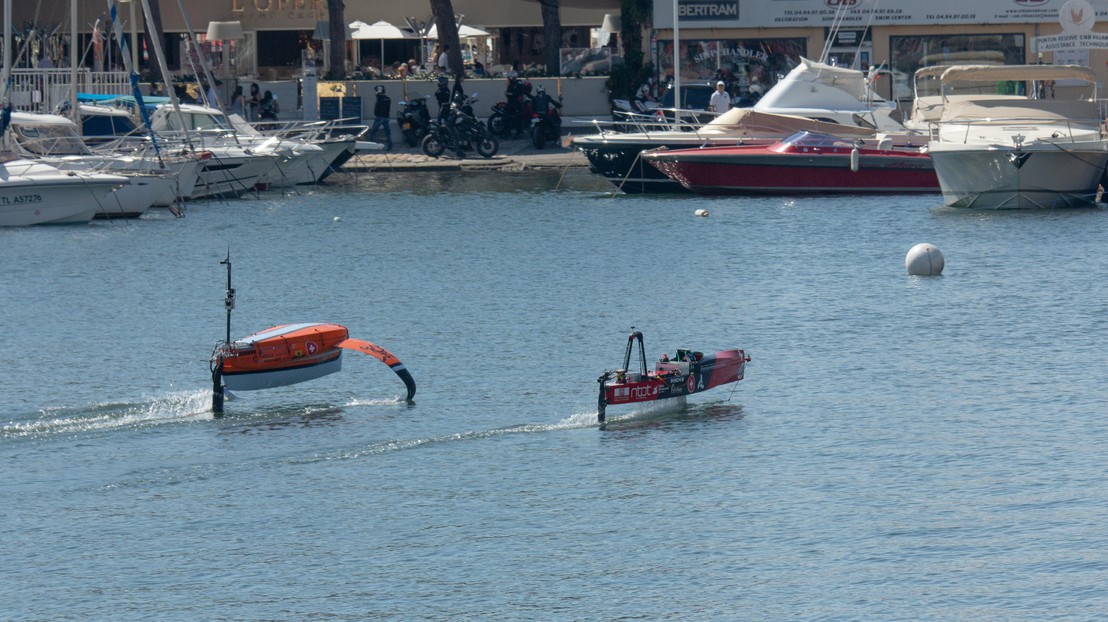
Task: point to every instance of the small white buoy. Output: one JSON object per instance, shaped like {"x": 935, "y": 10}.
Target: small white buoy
{"x": 701, "y": 212}
{"x": 854, "y": 160}
{"x": 338, "y": 219}
{"x": 924, "y": 260}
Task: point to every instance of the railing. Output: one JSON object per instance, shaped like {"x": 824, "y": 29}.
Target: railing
{"x": 1062, "y": 130}
{"x": 41, "y": 90}
{"x": 658, "y": 120}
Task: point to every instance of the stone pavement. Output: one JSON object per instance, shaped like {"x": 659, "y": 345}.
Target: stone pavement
{"x": 514, "y": 155}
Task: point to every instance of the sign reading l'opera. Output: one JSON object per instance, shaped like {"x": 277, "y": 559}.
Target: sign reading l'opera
{"x": 708, "y": 10}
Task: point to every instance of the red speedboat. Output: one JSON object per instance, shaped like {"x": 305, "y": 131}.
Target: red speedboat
{"x": 804, "y": 163}
{"x": 687, "y": 373}
{"x": 287, "y": 354}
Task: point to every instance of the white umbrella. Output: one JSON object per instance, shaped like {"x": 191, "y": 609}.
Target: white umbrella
{"x": 379, "y": 30}
{"x": 464, "y": 32}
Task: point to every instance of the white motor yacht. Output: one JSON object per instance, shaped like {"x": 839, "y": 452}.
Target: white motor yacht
{"x": 53, "y": 140}
{"x": 33, "y": 193}
{"x": 1010, "y": 137}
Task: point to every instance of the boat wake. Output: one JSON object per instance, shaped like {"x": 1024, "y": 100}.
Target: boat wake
{"x": 174, "y": 407}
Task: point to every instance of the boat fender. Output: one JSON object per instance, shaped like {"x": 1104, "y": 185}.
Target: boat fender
{"x": 854, "y": 160}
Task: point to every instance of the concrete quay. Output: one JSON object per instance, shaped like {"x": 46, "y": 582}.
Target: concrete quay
{"x": 514, "y": 155}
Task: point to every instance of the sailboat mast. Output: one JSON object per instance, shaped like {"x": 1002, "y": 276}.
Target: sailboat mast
{"x": 229, "y": 301}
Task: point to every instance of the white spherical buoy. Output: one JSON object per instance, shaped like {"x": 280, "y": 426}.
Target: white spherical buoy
{"x": 701, "y": 212}
{"x": 924, "y": 260}
{"x": 338, "y": 218}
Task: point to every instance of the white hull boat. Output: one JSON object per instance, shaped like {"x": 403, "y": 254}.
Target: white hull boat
{"x": 1034, "y": 176}
{"x": 32, "y": 193}
{"x": 1017, "y": 149}
{"x": 231, "y": 173}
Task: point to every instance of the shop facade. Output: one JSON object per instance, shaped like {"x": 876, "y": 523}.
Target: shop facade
{"x": 279, "y": 36}
{"x": 756, "y": 41}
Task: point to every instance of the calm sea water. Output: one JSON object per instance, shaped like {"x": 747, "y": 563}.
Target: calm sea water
{"x": 902, "y": 448}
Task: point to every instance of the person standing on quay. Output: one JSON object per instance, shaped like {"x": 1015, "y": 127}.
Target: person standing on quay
{"x": 381, "y": 111}
{"x": 444, "y": 59}
{"x": 721, "y": 99}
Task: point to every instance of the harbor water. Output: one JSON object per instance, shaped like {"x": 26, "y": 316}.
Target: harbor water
{"x": 902, "y": 448}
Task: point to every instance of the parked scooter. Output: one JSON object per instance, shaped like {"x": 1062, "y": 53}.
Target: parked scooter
{"x": 469, "y": 133}
{"x": 546, "y": 121}
{"x": 414, "y": 119}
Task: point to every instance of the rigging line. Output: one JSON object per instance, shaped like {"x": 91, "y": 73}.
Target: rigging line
{"x": 733, "y": 389}
{"x": 564, "y": 170}
{"x": 832, "y": 32}
{"x": 629, "y": 171}
{"x": 862, "y": 38}
{"x": 200, "y": 57}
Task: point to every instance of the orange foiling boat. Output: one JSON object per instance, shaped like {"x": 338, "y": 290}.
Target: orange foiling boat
{"x": 287, "y": 354}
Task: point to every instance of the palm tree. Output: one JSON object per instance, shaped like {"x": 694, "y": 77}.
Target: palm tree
{"x": 336, "y": 23}
{"x": 443, "y": 11}
{"x": 552, "y": 35}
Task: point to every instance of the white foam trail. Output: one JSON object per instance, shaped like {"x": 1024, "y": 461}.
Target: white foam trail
{"x": 392, "y": 401}
{"x": 173, "y": 407}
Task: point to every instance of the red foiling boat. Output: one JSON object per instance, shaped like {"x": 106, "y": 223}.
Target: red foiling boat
{"x": 687, "y": 373}
{"x": 804, "y": 163}
{"x": 287, "y": 354}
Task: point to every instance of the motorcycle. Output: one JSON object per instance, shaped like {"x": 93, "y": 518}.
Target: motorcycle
{"x": 470, "y": 133}
{"x": 545, "y": 126}
{"x": 503, "y": 124}
{"x": 414, "y": 119}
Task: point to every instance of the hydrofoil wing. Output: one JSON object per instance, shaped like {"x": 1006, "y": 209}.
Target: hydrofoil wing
{"x": 386, "y": 357}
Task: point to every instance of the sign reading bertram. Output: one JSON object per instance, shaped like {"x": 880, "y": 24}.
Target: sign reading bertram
{"x": 707, "y": 10}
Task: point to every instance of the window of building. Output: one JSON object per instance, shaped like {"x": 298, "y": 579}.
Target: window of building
{"x": 749, "y": 65}
{"x": 910, "y": 53}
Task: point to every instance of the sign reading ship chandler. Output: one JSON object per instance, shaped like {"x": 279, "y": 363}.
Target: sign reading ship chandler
{"x": 707, "y": 10}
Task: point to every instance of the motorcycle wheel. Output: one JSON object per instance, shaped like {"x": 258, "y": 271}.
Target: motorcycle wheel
{"x": 487, "y": 145}
{"x": 497, "y": 125}
{"x": 410, "y": 137}
{"x": 538, "y": 136}
{"x": 433, "y": 146}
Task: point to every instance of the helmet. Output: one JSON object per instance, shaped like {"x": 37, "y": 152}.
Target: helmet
{"x": 443, "y": 80}
{"x": 380, "y": 88}
{"x": 527, "y": 86}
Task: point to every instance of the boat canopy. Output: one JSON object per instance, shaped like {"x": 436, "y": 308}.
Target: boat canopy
{"x": 1000, "y": 108}
{"x": 987, "y": 73}
{"x": 47, "y": 134}
{"x": 757, "y": 123}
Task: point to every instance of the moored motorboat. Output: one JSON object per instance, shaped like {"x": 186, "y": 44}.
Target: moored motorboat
{"x": 1018, "y": 149}
{"x": 804, "y": 163}
{"x": 687, "y": 373}
{"x": 813, "y": 96}
{"x": 33, "y": 193}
